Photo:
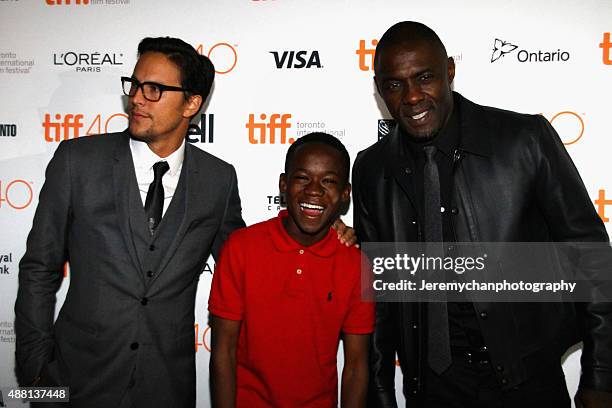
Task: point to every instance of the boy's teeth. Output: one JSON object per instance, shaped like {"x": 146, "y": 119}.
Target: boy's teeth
{"x": 311, "y": 206}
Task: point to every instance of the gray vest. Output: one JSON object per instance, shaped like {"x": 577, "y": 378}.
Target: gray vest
{"x": 152, "y": 248}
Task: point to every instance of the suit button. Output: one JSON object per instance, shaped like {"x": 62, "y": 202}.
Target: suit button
{"x": 484, "y": 315}
{"x": 144, "y": 301}
{"x": 134, "y": 346}
{"x": 504, "y": 381}
{"x": 151, "y": 247}
{"x": 454, "y": 211}
{"x": 499, "y": 368}
{"x": 408, "y": 170}
{"x": 150, "y": 274}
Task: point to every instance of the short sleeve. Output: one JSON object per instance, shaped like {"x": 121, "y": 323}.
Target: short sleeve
{"x": 361, "y": 314}
{"x": 226, "y": 294}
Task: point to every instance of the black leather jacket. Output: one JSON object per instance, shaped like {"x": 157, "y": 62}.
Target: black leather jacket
{"x": 513, "y": 182}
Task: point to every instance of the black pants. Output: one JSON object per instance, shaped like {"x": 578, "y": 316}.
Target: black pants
{"x": 474, "y": 385}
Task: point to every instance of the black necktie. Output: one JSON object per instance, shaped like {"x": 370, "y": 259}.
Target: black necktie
{"x": 438, "y": 341}
{"x": 154, "y": 204}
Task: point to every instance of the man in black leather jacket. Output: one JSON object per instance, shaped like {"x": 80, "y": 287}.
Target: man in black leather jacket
{"x": 504, "y": 177}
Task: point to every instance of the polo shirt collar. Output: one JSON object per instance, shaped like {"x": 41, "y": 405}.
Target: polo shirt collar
{"x": 284, "y": 243}
{"x": 144, "y": 158}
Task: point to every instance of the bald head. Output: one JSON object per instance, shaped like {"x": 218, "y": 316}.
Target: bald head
{"x": 414, "y": 75}
{"x": 408, "y": 32}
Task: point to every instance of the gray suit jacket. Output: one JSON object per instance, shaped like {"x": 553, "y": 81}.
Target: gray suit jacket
{"x": 105, "y": 329}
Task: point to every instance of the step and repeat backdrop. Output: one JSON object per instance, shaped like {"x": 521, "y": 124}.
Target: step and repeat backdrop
{"x": 284, "y": 68}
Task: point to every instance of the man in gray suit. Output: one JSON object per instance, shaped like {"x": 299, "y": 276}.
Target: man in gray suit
{"x": 136, "y": 214}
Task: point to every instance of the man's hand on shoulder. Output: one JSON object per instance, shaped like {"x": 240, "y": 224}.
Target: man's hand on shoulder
{"x": 586, "y": 398}
{"x": 346, "y": 234}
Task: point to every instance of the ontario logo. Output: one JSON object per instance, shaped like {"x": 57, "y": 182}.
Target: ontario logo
{"x": 502, "y": 48}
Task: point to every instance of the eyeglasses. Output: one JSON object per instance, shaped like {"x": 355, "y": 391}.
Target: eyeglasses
{"x": 152, "y": 91}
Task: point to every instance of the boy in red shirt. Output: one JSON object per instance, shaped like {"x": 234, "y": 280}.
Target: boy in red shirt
{"x": 286, "y": 290}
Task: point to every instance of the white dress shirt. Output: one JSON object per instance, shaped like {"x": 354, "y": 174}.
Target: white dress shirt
{"x": 144, "y": 159}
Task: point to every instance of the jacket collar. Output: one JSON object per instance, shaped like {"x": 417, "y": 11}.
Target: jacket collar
{"x": 475, "y": 131}
{"x": 400, "y": 160}
{"x": 124, "y": 182}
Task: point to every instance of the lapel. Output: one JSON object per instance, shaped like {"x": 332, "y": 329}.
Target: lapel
{"x": 476, "y": 133}
{"x": 124, "y": 181}
{"x": 195, "y": 200}
{"x": 400, "y": 165}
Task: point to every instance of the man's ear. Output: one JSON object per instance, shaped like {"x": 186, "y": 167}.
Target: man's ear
{"x": 377, "y": 85}
{"x": 194, "y": 103}
{"x": 451, "y": 70}
{"x": 282, "y": 183}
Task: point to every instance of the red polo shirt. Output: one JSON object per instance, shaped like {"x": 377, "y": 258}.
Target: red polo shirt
{"x": 294, "y": 302}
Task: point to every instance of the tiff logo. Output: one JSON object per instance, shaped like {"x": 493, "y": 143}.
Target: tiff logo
{"x": 606, "y": 45}
{"x": 18, "y": 194}
{"x": 601, "y": 204}
{"x": 272, "y": 126}
{"x": 60, "y": 130}
{"x": 60, "y": 2}
{"x": 197, "y": 134}
{"x": 366, "y": 55}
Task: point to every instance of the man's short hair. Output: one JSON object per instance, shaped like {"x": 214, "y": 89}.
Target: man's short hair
{"x": 197, "y": 71}
{"x": 406, "y": 32}
{"x": 322, "y": 138}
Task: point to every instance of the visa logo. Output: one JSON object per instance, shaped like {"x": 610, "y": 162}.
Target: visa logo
{"x": 296, "y": 59}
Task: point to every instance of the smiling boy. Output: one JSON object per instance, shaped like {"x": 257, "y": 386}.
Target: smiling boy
{"x": 286, "y": 290}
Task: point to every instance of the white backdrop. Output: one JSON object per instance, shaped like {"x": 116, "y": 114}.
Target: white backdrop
{"x": 305, "y": 64}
